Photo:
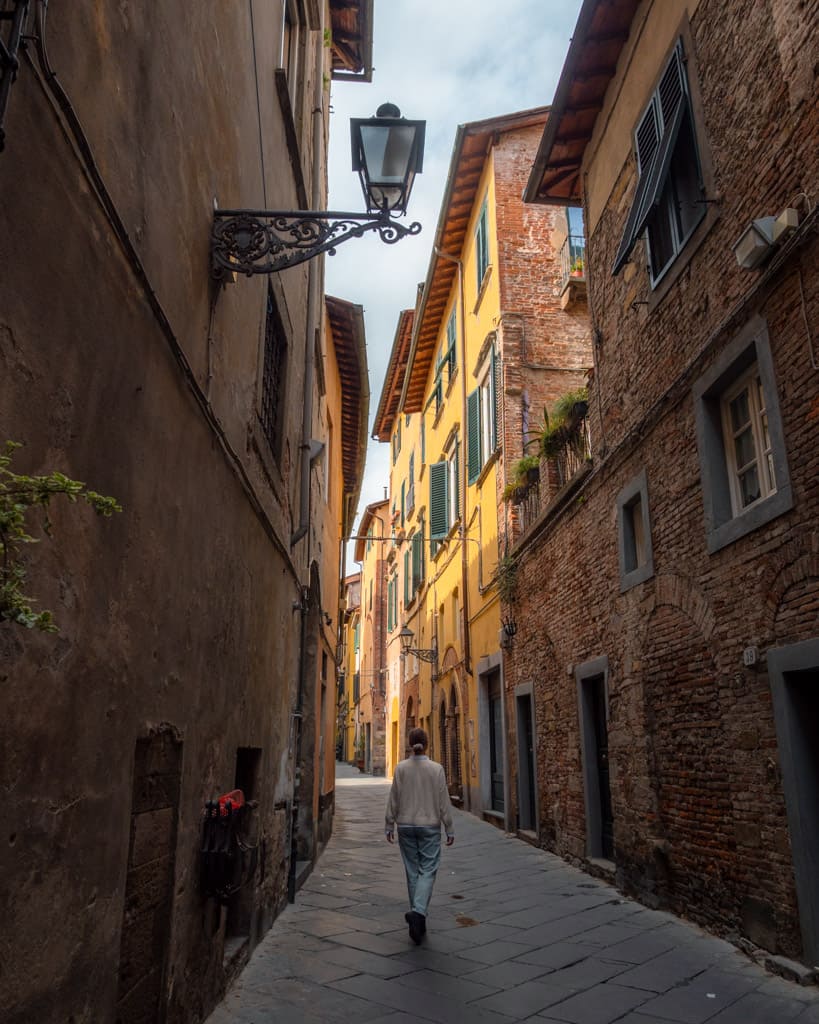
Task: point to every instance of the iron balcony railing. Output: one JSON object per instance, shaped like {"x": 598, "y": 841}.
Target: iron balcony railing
{"x": 555, "y": 474}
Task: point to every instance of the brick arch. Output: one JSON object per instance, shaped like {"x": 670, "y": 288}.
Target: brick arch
{"x": 788, "y": 589}
{"x": 681, "y": 593}
{"x": 688, "y": 829}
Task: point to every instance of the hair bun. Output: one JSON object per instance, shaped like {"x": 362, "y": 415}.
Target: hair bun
{"x": 418, "y": 748}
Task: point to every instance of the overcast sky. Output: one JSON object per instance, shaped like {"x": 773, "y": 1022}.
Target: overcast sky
{"x": 446, "y": 62}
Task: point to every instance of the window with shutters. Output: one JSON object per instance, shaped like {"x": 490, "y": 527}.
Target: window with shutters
{"x": 274, "y": 377}
{"x": 392, "y": 602}
{"x": 396, "y": 442}
{"x": 481, "y": 247}
{"x": 403, "y": 501}
{"x": 411, "y": 484}
{"x": 416, "y": 544}
{"x": 293, "y": 59}
{"x": 450, "y": 356}
{"x": 407, "y": 577}
{"x": 669, "y": 199}
{"x": 482, "y": 417}
{"x": 445, "y": 365}
{"x": 444, "y": 506}
{"x": 421, "y": 552}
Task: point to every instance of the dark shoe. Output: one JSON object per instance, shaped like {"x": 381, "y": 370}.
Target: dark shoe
{"x": 417, "y": 925}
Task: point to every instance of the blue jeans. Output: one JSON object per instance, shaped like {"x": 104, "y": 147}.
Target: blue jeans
{"x": 420, "y": 847}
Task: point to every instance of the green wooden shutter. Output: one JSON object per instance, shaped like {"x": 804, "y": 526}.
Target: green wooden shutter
{"x": 482, "y": 246}
{"x": 390, "y": 587}
{"x": 496, "y": 385}
{"x": 417, "y": 540}
{"x": 473, "y": 435}
{"x": 451, "y": 334}
{"x": 438, "y": 500}
{"x": 421, "y": 559}
{"x": 403, "y": 500}
{"x": 456, "y": 498}
{"x": 407, "y": 578}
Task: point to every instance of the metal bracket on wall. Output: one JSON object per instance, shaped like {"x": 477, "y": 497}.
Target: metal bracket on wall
{"x": 14, "y": 21}
{"x": 267, "y": 241}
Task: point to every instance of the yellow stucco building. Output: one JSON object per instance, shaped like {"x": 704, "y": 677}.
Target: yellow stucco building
{"x": 487, "y": 341}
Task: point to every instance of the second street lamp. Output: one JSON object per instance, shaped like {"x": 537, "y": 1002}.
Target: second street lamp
{"x": 387, "y": 151}
{"x": 423, "y": 654}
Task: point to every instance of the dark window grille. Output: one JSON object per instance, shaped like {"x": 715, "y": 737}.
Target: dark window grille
{"x": 273, "y": 380}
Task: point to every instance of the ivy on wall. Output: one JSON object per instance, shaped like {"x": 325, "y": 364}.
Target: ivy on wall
{"x": 21, "y": 497}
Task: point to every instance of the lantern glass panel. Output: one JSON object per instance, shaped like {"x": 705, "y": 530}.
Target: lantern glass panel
{"x": 388, "y": 154}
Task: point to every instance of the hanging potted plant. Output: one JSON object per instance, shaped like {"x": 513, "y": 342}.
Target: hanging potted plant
{"x": 527, "y": 469}
{"x": 524, "y": 474}
{"x": 564, "y": 428}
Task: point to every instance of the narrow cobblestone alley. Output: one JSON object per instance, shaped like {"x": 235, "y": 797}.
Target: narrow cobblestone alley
{"x": 515, "y": 934}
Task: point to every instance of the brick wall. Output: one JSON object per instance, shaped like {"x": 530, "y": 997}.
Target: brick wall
{"x": 699, "y": 813}
{"x": 545, "y": 349}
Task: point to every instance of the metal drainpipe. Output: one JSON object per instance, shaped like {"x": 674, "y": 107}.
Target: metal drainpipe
{"x": 313, "y": 296}
{"x": 463, "y": 488}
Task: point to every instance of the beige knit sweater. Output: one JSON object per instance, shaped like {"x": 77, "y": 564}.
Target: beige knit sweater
{"x": 419, "y": 795}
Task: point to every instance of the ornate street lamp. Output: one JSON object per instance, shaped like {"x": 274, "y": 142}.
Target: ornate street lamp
{"x": 431, "y": 655}
{"x": 388, "y": 151}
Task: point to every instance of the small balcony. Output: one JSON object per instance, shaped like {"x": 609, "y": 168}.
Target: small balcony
{"x": 558, "y": 475}
{"x": 572, "y": 271}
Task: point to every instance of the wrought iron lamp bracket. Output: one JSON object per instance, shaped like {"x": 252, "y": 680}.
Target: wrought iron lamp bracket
{"x": 266, "y": 241}
{"x": 430, "y": 656}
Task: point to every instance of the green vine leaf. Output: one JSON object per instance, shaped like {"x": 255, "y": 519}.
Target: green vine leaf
{"x": 19, "y": 495}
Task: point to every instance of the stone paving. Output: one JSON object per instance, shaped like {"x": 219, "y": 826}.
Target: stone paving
{"x": 515, "y": 934}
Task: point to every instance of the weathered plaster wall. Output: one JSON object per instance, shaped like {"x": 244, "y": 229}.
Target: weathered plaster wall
{"x": 180, "y": 609}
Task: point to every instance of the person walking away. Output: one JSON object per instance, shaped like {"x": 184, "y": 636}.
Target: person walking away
{"x": 419, "y": 803}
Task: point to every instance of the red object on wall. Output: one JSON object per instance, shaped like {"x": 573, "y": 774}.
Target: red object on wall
{"x": 235, "y": 797}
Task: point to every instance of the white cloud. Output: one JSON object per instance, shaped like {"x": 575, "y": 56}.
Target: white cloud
{"x": 448, "y": 62}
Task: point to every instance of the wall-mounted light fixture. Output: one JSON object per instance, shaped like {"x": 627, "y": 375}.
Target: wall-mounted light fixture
{"x": 387, "y": 150}
{"x": 429, "y": 655}
{"x": 762, "y": 236}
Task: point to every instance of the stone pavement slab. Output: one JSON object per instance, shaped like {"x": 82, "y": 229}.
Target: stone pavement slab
{"x": 602, "y": 1004}
{"x": 514, "y": 934}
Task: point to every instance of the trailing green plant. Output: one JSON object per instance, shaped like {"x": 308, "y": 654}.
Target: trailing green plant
{"x": 564, "y": 406}
{"x": 563, "y": 428}
{"x": 20, "y": 497}
{"x": 506, "y": 577}
{"x": 518, "y": 475}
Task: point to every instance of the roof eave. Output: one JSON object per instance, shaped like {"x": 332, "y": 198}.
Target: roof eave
{"x": 570, "y": 75}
